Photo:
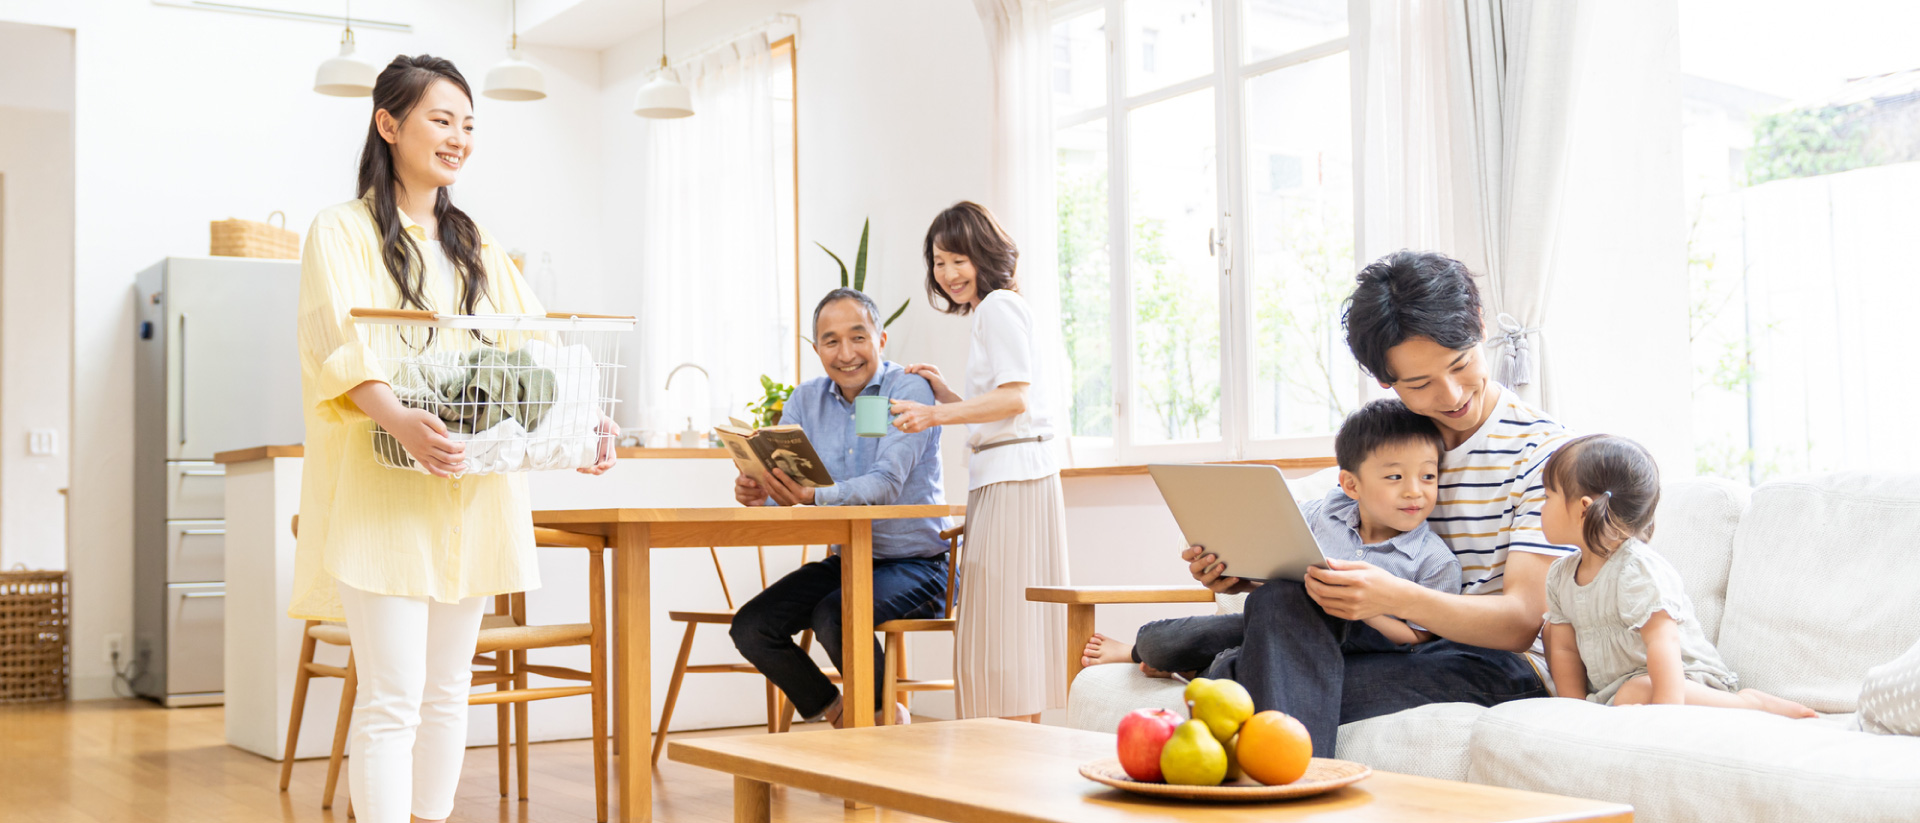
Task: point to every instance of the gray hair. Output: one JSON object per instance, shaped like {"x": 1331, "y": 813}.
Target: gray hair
{"x": 844, "y": 293}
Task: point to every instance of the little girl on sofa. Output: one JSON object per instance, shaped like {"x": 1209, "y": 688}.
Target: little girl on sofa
{"x": 1620, "y": 628}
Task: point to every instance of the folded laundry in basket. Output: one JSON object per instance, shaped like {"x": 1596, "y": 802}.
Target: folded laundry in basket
{"x": 473, "y": 391}
{"x": 528, "y": 410}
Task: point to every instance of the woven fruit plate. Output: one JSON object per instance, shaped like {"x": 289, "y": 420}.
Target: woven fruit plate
{"x": 1323, "y": 775}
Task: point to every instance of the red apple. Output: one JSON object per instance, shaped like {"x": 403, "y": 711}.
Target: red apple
{"x": 1142, "y": 733}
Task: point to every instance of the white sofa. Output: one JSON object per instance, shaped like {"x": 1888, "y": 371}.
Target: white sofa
{"x": 1803, "y": 585}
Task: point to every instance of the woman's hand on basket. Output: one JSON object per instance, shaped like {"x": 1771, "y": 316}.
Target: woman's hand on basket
{"x": 609, "y": 432}
{"x": 424, "y": 435}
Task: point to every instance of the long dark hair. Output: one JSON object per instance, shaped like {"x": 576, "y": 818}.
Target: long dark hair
{"x": 1622, "y": 479}
{"x": 401, "y": 85}
{"x": 967, "y": 229}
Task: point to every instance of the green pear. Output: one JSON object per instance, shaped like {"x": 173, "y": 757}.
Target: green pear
{"x": 1192, "y": 757}
{"x": 1222, "y": 704}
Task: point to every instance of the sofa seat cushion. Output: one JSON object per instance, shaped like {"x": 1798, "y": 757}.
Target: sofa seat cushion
{"x": 1681, "y": 764}
{"x": 1430, "y": 741}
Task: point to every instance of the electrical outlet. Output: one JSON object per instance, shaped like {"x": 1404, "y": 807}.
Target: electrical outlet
{"x": 43, "y": 442}
{"x": 115, "y": 644}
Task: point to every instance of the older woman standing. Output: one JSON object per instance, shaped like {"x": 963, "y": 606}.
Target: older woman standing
{"x": 1008, "y": 651}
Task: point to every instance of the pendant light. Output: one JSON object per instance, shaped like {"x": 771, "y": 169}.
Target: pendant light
{"x": 663, "y": 98}
{"x": 514, "y": 78}
{"x": 346, "y": 75}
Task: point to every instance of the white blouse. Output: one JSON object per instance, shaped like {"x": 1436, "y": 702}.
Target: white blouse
{"x": 1002, "y": 351}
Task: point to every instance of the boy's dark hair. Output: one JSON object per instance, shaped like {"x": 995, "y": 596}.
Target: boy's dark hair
{"x": 967, "y": 229}
{"x": 1622, "y": 479}
{"x": 844, "y": 293}
{"x": 1410, "y": 294}
{"x": 1383, "y": 422}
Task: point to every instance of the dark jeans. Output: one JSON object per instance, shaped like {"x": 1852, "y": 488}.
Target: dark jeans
{"x": 809, "y": 598}
{"x": 1326, "y": 671}
{"x": 1200, "y": 644}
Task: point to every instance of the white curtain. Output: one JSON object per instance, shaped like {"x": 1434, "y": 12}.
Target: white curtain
{"x": 709, "y": 269}
{"x": 1019, "y": 40}
{"x": 1463, "y": 145}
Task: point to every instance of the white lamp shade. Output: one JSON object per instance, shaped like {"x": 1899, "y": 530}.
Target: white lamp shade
{"x": 515, "y": 79}
{"x": 663, "y": 98}
{"x": 345, "y": 75}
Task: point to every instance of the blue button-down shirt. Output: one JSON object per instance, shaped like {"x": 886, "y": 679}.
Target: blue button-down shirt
{"x": 1418, "y": 554}
{"x": 896, "y": 470}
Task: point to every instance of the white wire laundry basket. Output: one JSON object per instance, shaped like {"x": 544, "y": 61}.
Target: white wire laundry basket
{"x": 522, "y": 392}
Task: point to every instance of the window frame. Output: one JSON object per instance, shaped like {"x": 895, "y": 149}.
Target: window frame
{"x": 1228, "y": 81}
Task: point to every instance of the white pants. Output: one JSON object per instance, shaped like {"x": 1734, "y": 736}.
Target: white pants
{"x": 409, "y": 734}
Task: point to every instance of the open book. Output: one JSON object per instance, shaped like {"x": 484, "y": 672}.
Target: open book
{"x": 759, "y": 451}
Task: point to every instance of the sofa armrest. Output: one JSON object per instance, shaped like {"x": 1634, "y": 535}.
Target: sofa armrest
{"x": 1094, "y": 595}
{"x": 1081, "y": 600}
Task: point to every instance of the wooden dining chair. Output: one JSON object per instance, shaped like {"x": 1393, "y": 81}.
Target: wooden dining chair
{"x": 894, "y": 653}
{"x": 501, "y": 650}
{"x": 694, "y": 620}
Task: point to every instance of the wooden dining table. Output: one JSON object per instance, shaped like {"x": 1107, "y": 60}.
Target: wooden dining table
{"x": 632, "y": 533}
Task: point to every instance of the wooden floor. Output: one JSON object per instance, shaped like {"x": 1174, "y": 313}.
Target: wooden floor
{"x": 131, "y": 762}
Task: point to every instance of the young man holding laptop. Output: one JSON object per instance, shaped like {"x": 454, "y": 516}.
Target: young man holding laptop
{"x": 1414, "y": 323}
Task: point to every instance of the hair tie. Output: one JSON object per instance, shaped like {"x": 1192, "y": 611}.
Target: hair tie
{"x": 1608, "y": 494}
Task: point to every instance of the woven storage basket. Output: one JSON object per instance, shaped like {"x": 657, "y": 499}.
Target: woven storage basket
{"x": 249, "y": 238}
{"x": 33, "y": 636}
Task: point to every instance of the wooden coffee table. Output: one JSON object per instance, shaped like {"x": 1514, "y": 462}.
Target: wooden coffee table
{"x": 988, "y": 771}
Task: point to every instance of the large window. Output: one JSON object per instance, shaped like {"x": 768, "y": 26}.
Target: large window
{"x": 1800, "y": 145}
{"x": 1205, "y": 196}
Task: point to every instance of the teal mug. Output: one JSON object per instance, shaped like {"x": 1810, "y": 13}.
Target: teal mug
{"x": 870, "y": 415}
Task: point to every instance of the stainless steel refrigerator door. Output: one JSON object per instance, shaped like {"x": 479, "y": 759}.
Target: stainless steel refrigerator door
{"x": 233, "y": 368}
{"x": 196, "y": 638}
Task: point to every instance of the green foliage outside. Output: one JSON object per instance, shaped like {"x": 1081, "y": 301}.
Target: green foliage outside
{"x": 1086, "y": 289}
{"x": 1807, "y": 143}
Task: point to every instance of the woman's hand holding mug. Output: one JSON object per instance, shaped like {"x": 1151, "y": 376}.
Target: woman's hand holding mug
{"x": 911, "y": 417}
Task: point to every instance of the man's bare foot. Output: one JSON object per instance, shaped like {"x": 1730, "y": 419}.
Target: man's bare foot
{"x": 1778, "y": 705}
{"x": 1103, "y": 649}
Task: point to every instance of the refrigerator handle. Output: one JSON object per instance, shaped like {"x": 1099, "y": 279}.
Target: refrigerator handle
{"x": 183, "y": 378}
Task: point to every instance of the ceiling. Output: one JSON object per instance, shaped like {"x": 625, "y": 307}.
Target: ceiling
{"x": 592, "y": 24}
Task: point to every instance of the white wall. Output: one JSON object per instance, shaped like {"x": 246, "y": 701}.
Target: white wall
{"x": 186, "y": 116}
{"x": 1617, "y": 323}
{"x": 36, "y": 288}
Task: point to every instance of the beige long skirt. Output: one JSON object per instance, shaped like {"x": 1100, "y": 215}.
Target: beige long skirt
{"x": 1010, "y": 654}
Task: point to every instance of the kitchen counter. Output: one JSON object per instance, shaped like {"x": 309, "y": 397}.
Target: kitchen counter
{"x": 262, "y": 644}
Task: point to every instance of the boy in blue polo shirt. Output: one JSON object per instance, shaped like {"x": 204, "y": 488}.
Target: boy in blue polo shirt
{"x": 1389, "y": 479}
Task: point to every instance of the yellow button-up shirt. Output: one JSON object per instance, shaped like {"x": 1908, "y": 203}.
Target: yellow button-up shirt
{"x": 377, "y": 529}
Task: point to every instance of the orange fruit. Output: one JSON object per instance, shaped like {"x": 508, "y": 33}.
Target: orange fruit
{"x": 1274, "y": 748}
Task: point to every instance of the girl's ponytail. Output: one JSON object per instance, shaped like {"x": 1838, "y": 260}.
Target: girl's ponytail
{"x": 1621, "y": 478}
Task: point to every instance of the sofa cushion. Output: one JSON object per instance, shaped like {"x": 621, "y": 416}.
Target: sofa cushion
{"x": 1429, "y": 740}
{"x": 1694, "y": 528}
{"x": 1822, "y": 585}
{"x": 1681, "y": 764}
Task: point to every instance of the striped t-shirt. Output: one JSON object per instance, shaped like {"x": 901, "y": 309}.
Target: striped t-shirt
{"x": 1490, "y": 492}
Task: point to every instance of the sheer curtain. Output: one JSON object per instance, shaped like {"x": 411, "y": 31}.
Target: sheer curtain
{"x": 709, "y": 268}
{"x": 1019, "y": 38}
{"x": 1463, "y": 144}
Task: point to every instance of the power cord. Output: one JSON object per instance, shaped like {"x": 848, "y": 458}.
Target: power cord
{"x": 126, "y": 675}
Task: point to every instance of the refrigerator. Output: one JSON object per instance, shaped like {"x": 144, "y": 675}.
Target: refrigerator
{"x": 216, "y": 369}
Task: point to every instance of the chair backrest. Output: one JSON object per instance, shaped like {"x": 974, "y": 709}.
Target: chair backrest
{"x": 760, "y": 553}
{"x": 955, "y": 537}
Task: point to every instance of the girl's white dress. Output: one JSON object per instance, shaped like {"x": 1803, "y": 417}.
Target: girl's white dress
{"x": 1609, "y": 610}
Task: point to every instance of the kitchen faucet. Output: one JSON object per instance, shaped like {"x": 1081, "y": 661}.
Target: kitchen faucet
{"x": 690, "y": 433}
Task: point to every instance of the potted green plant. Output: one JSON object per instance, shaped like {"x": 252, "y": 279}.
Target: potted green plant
{"x": 766, "y": 411}
{"x": 859, "y": 280}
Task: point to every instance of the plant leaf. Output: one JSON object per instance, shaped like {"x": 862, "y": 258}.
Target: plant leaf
{"x": 896, "y": 315}
{"x": 836, "y": 259}
{"x": 860, "y": 259}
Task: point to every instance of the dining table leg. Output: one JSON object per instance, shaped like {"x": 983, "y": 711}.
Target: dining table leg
{"x": 856, "y": 624}
{"x": 632, "y": 672}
